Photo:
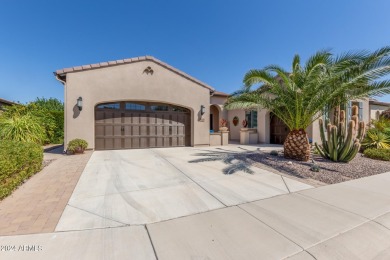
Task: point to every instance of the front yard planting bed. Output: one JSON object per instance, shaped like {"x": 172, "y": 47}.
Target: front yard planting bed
{"x": 18, "y": 162}
{"x": 330, "y": 172}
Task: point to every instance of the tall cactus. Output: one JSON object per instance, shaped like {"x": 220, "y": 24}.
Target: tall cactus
{"x": 342, "y": 141}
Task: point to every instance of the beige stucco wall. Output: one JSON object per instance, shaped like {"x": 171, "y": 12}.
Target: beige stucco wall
{"x": 128, "y": 82}
{"x": 374, "y": 109}
{"x": 220, "y": 101}
{"x": 313, "y": 132}
{"x": 263, "y": 125}
{"x": 235, "y": 130}
{"x": 215, "y": 139}
{"x": 215, "y": 111}
{"x": 366, "y": 110}
{"x": 263, "y": 121}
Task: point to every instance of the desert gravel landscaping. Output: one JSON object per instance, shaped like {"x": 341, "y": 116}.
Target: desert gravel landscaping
{"x": 330, "y": 172}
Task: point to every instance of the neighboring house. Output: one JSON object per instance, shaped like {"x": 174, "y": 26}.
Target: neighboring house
{"x": 5, "y": 103}
{"x": 143, "y": 102}
{"x": 377, "y": 107}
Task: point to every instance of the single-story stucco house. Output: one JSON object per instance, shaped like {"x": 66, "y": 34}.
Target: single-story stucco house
{"x": 143, "y": 102}
{"x": 377, "y": 107}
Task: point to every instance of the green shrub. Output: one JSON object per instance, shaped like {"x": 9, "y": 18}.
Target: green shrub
{"x": 376, "y": 139}
{"x": 38, "y": 113}
{"x": 378, "y": 154}
{"x": 24, "y": 128}
{"x": 380, "y": 124}
{"x": 18, "y": 161}
{"x": 75, "y": 144}
{"x": 51, "y": 104}
{"x": 274, "y": 153}
{"x": 52, "y": 111}
{"x": 58, "y": 135}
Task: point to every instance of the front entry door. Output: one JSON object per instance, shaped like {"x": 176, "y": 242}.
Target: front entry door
{"x": 279, "y": 130}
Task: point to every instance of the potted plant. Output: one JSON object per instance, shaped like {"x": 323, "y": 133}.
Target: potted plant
{"x": 223, "y": 125}
{"x": 244, "y": 123}
{"x": 77, "y": 146}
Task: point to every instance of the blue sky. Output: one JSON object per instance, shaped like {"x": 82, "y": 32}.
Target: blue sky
{"x": 214, "y": 41}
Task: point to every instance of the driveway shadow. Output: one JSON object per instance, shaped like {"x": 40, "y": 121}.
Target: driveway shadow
{"x": 235, "y": 161}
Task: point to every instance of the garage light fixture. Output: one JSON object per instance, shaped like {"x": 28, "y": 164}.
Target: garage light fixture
{"x": 202, "y": 110}
{"x": 80, "y": 103}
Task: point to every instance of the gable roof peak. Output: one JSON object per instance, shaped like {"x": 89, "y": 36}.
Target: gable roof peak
{"x": 61, "y": 74}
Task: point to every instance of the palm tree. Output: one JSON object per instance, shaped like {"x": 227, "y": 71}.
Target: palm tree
{"x": 299, "y": 97}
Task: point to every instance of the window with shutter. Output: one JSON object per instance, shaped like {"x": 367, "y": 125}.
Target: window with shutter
{"x": 360, "y": 111}
{"x": 251, "y": 117}
{"x": 349, "y": 108}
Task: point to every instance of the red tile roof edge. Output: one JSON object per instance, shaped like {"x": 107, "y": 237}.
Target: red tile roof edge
{"x": 7, "y": 102}
{"x": 377, "y": 102}
{"x": 219, "y": 93}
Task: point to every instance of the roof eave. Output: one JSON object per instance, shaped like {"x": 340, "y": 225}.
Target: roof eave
{"x": 61, "y": 74}
{"x": 375, "y": 102}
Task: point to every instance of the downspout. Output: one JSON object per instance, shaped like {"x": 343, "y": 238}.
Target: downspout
{"x": 65, "y": 118}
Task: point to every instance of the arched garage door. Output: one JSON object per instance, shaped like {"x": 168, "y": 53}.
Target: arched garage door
{"x": 128, "y": 125}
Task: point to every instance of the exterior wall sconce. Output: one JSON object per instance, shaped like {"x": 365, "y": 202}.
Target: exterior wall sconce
{"x": 80, "y": 103}
{"x": 202, "y": 110}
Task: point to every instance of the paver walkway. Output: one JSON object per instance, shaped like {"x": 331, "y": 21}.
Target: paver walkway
{"x": 37, "y": 205}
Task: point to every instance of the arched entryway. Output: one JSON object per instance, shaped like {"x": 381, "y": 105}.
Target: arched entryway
{"x": 129, "y": 124}
{"x": 214, "y": 118}
{"x": 278, "y": 130}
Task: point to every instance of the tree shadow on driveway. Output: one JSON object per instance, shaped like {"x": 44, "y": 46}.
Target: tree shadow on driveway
{"x": 235, "y": 161}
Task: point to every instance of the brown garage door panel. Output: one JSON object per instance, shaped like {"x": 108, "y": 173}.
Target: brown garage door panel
{"x": 123, "y": 129}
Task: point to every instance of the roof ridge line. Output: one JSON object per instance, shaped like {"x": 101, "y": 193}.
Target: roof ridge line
{"x": 63, "y": 72}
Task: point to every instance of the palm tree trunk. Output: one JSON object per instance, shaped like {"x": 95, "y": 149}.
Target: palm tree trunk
{"x": 297, "y": 145}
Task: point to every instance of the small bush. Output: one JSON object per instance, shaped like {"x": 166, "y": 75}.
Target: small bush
{"x": 41, "y": 120}
{"x": 23, "y": 128}
{"x": 378, "y": 154}
{"x": 76, "y": 144}
{"x": 274, "y": 153}
{"x": 18, "y": 161}
{"x": 376, "y": 139}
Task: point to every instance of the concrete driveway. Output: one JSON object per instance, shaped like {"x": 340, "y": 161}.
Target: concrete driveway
{"x": 123, "y": 187}
{"x": 349, "y": 220}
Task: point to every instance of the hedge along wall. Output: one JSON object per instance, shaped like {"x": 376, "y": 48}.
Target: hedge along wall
{"x": 18, "y": 161}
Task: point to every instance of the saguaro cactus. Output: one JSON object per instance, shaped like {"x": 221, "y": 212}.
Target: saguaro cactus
{"x": 342, "y": 141}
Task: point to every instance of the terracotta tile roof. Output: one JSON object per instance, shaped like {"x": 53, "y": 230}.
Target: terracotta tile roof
{"x": 380, "y": 103}
{"x": 62, "y": 72}
{"x": 7, "y": 102}
{"x": 219, "y": 93}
